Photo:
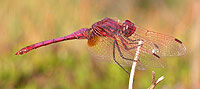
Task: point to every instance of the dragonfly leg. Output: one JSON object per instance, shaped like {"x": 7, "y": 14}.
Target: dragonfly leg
{"x": 131, "y": 47}
{"x": 125, "y": 46}
{"x": 124, "y": 40}
{"x": 120, "y": 53}
{"x": 115, "y": 58}
{"x": 153, "y": 51}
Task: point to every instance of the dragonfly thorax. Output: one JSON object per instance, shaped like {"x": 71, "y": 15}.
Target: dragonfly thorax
{"x": 106, "y": 27}
{"x": 128, "y": 28}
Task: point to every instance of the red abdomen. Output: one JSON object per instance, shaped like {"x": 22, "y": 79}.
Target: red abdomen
{"x": 80, "y": 34}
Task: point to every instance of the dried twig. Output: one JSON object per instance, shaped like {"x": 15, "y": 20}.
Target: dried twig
{"x": 131, "y": 78}
{"x": 155, "y": 82}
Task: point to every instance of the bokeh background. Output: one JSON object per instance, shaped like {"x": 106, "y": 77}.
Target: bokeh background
{"x": 69, "y": 65}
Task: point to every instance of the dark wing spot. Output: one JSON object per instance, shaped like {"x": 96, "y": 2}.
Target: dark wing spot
{"x": 156, "y": 55}
{"x": 178, "y": 41}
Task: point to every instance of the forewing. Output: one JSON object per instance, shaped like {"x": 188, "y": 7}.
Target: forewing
{"x": 146, "y": 57}
{"x": 160, "y": 44}
{"x": 155, "y": 46}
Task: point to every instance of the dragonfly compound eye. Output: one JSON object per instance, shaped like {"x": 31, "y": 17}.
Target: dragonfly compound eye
{"x": 128, "y": 28}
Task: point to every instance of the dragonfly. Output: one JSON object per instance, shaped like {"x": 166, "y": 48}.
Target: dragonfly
{"x": 111, "y": 39}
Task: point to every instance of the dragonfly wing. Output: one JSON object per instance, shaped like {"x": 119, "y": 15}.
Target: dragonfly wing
{"x": 146, "y": 57}
{"x": 103, "y": 50}
{"x": 155, "y": 47}
{"x": 162, "y": 45}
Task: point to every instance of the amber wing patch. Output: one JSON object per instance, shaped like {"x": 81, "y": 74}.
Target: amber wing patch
{"x": 93, "y": 40}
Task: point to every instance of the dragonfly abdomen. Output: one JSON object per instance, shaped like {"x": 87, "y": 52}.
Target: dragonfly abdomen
{"x": 80, "y": 34}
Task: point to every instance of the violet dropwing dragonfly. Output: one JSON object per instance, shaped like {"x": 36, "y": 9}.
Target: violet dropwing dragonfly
{"x": 110, "y": 39}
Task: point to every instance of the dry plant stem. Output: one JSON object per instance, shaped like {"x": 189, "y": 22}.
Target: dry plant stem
{"x": 131, "y": 78}
{"x": 155, "y": 82}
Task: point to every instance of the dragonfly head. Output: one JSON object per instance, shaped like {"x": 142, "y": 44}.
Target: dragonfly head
{"x": 128, "y": 28}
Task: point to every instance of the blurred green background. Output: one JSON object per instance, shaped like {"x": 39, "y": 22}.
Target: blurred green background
{"x": 68, "y": 65}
